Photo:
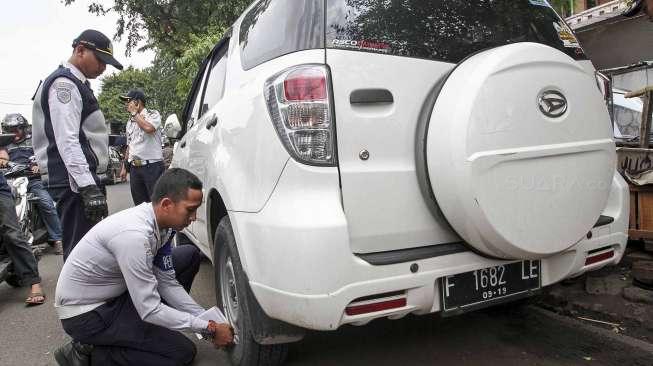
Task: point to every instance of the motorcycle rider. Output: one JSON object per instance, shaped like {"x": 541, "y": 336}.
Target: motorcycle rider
{"x": 19, "y": 250}
{"x": 20, "y": 151}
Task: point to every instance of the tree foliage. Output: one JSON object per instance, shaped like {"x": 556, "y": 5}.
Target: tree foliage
{"x": 158, "y": 82}
{"x": 562, "y": 7}
{"x": 181, "y": 33}
{"x": 119, "y": 84}
{"x": 168, "y": 25}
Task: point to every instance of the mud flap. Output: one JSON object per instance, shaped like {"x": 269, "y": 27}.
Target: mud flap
{"x": 269, "y": 331}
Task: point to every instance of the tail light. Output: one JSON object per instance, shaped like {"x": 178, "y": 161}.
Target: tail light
{"x": 298, "y": 100}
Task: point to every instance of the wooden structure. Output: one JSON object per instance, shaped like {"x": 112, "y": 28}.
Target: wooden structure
{"x": 641, "y": 212}
{"x": 637, "y": 159}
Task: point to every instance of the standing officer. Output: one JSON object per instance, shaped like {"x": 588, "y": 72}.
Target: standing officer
{"x": 21, "y": 152}
{"x": 144, "y": 157}
{"x": 123, "y": 293}
{"x": 70, "y": 136}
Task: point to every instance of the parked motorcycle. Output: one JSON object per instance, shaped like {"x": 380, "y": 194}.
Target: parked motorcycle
{"x": 27, "y": 212}
{"x": 116, "y": 158}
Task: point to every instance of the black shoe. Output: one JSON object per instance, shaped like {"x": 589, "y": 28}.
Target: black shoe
{"x": 73, "y": 354}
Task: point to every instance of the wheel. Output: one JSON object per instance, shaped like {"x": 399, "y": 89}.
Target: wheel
{"x": 232, "y": 296}
{"x": 26, "y": 229}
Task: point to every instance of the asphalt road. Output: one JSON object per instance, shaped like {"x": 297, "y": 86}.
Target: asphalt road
{"x": 503, "y": 336}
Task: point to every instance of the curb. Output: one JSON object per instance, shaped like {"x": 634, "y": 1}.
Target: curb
{"x": 571, "y": 322}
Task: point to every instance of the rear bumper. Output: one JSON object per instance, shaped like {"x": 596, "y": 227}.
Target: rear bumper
{"x": 297, "y": 256}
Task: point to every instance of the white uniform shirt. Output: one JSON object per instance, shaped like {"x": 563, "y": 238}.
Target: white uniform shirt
{"x": 143, "y": 145}
{"x": 127, "y": 252}
{"x": 66, "y": 105}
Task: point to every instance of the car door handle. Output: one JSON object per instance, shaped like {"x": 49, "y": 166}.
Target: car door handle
{"x": 367, "y": 96}
{"x": 212, "y": 123}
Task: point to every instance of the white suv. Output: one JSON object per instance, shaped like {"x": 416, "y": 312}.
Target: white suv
{"x": 363, "y": 159}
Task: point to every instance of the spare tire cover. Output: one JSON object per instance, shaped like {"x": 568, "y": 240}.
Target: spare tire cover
{"x": 519, "y": 151}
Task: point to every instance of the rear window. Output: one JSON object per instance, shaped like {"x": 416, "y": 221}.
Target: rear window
{"x": 276, "y": 28}
{"x": 446, "y": 30}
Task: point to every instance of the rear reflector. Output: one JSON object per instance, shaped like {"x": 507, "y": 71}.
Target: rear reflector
{"x": 376, "y": 306}
{"x": 600, "y": 257}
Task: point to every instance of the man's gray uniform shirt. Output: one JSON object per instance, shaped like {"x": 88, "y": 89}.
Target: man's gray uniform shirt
{"x": 128, "y": 252}
{"x": 65, "y": 101}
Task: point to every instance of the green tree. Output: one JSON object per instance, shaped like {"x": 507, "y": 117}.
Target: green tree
{"x": 155, "y": 82}
{"x": 187, "y": 65}
{"x": 119, "y": 84}
{"x": 181, "y": 33}
{"x": 168, "y": 26}
{"x": 564, "y": 8}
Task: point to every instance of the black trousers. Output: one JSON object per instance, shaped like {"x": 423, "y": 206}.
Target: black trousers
{"x": 74, "y": 222}
{"x": 120, "y": 336}
{"x": 142, "y": 180}
{"x": 16, "y": 245}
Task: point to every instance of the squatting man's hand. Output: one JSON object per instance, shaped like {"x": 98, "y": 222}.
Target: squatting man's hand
{"x": 223, "y": 334}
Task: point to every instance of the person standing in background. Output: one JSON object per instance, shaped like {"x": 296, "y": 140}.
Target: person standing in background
{"x": 144, "y": 156}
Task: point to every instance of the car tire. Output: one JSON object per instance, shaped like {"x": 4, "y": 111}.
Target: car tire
{"x": 232, "y": 286}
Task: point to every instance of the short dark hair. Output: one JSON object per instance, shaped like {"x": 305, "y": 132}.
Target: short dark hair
{"x": 174, "y": 184}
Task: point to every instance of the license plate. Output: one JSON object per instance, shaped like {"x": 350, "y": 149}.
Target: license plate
{"x": 483, "y": 287}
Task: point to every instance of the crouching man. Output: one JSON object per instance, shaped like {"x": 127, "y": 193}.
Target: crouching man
{"x": 111, "y": 291}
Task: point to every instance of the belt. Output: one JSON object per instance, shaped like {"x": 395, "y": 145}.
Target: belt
{"x": 138, "y": 163}
{"x": 69, "y": 311}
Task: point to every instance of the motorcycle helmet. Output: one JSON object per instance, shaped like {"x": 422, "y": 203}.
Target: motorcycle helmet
{"x": 13, "y": 121}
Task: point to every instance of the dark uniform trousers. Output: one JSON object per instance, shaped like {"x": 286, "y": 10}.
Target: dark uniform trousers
{"x": 74, "y": 223}
{"x": 120, "y": 336}
{"x": 16, "y": 245}
{"x": 142, "y": 180}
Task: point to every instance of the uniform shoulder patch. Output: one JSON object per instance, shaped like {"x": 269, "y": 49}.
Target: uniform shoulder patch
{"x": 64, "y": 91}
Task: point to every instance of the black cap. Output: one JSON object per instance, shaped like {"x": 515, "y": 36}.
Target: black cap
{"x": 134, "y": 94}
{"x": 100, "y": 44}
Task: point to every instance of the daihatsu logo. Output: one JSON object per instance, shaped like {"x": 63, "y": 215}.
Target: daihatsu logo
{"x": 552, "y": 103}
